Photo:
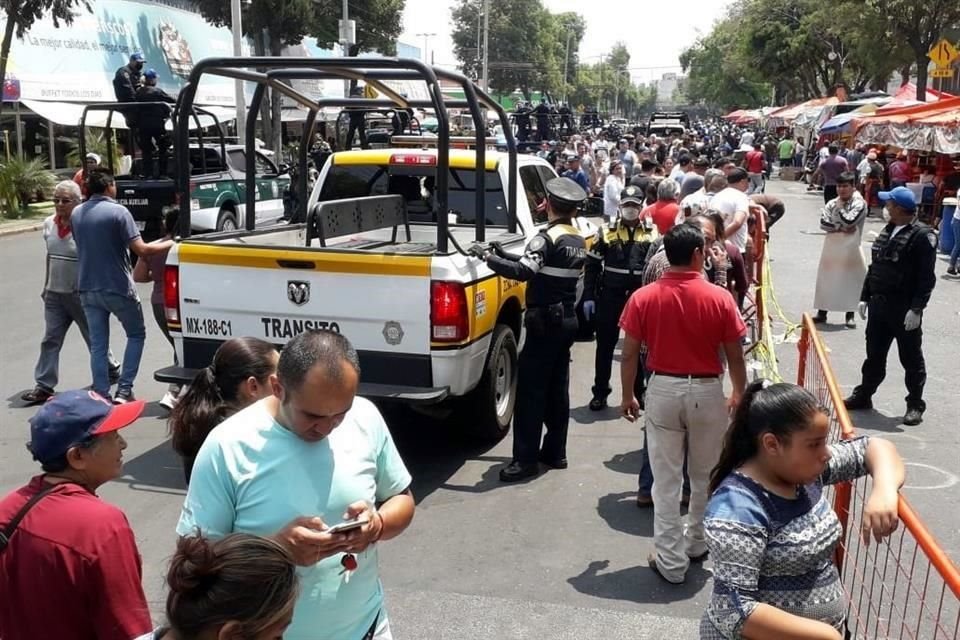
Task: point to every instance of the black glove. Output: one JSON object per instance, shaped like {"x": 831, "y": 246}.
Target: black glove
{"x": 498, "y": 249}
{"x": 477, "y": 251}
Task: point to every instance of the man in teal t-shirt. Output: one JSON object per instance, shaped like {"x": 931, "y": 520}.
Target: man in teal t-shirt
{"x": 297, "y": 463}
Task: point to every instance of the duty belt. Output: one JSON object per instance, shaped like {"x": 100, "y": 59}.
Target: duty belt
{"x": 626, "y": 272}
{"x": 558, "y": 272}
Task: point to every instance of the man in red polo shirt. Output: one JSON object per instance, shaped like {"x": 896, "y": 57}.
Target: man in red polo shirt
{"x": 755, "y": 163}
{"x": 70, "y": 567}
{"x": 685, "y": 322}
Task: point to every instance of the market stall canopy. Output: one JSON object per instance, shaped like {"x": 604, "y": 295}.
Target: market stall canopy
{"x": 733, "y": 115}
{"x": 933, "y": 126}
{"x": 68, "y": 114}
{"x": 786, "y": 116}
{"x": 842, "y": 123}
{"x": 906, "y": 96}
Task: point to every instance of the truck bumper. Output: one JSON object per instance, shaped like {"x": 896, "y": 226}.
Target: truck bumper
{"x": 373, "y": 391}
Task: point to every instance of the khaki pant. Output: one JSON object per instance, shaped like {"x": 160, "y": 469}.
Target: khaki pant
{"x": 679, "y": 409}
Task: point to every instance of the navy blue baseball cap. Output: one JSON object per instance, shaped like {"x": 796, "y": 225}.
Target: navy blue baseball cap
{"x": 71, "y": 417}
{"x": 902, "y": 196}
{"x": 151, "y": 73}
{"x": 137, "y": 57}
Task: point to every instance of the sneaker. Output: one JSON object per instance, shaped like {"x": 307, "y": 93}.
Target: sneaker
{"x": 851, "y": 321}
{"x": 38, "y": 396}
{"x": 168, "y": 401}
{"x": 114, "y": 376}
{"x": 858, "y": 402}
{"x": 820, "y": 318}
{"x": 598, "y": 404}
{"x": 123, "y": 396}
{"x": 913, "y": 417}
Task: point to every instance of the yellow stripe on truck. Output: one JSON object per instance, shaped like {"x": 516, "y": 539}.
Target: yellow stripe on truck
{"x": 458, "y": 159}
{"x": 323, "y": 261}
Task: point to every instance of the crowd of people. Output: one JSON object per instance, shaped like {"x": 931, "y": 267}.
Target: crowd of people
{"x": 671, "y": 269}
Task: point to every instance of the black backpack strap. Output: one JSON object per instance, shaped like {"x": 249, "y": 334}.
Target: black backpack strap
{"x": 8, "y": 531}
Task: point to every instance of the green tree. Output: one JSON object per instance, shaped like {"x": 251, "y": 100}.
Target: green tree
{"x": 20, "y": 15}
{"x": 379, "y": 24}
{"x": 919, "y": 24}
{"x": 527, "y": 44}
{"x": 271, "y": 25}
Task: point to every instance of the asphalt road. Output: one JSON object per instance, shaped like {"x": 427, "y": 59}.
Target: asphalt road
{"x": 562, "y": 556}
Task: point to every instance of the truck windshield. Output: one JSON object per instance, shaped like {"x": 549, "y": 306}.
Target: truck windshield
{"x": 417, "y": 186}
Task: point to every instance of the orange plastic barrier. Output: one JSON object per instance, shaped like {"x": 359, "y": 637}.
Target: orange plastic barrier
{"x": 904, "y": 587}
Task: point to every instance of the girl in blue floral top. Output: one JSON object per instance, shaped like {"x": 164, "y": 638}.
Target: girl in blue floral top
{"x": 771, "y": 531}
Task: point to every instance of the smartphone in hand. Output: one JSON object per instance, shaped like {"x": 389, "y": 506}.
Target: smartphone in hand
{"x": 348, "y": 525}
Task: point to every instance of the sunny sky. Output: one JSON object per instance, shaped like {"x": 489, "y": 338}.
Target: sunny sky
{"x": 655, "y": 32}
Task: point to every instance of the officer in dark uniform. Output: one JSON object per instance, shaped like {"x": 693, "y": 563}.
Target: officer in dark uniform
{"x": 566, "y": 119}
{"x": 522, "y": 119}
{"x": 401, "y": 119}
{"x": 614, "y": 270}
{"x": 542, "y": 113}
{"x": 896, "y": 290}
{"x": 551, "y": 264}
{"x": 126, "y": 82}
{"x": 358, "y": 122}
{"x": 152, "y": 118}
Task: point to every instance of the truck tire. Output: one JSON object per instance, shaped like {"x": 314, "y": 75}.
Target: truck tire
{"x": 488, "y": 409}
{"x": 226, "y": 220}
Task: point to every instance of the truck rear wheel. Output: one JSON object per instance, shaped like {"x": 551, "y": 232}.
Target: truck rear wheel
{"x": 226, "y": 220}
{"x": 488, "y": 409}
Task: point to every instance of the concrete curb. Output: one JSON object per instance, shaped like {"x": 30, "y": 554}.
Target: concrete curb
{"x": 14, "y": 228}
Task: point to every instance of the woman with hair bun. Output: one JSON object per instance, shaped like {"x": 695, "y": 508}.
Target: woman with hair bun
{"x": 771, "y": 531}
{"x": 238, "y": 376}
{"x": 240, "y": 587}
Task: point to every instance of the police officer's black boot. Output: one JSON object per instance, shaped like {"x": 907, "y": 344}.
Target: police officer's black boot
{"x": 857, "y": 401}
{"x": 913, "y": 417}
{"x": 517, "y": 471}
{"x": 821, "y": 317}
{"x": 599, "y": 402}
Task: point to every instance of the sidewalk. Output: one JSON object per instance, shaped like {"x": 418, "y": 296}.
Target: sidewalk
{"x": 37, "y": 212}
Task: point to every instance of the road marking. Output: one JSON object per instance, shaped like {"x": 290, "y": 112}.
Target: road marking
{"x": 950, "y": 478}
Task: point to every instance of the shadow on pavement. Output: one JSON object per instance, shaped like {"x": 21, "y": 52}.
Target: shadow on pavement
{"x": 434, "y": 449}
{"x": 637, "y": 584}
{"x": 875, "y": 420}
{"x": 625, "y": 462}
{"x": 583, "y": 414}
{"x": 620, "y": 512}
{"x": 157, "y": 471}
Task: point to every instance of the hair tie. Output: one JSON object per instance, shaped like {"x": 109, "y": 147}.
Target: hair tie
{"x": 765, "y": 384}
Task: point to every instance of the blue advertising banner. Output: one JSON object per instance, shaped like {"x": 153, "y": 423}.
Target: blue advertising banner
{"x": 77, "y": 63}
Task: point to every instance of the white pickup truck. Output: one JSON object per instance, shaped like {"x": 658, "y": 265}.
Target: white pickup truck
{"x": 377, "y": 261}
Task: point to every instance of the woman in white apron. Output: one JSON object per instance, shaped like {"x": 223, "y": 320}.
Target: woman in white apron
{"x": 842, "y": 267}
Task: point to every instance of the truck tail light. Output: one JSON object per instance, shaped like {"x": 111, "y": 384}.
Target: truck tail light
{"x": 449, "y": 313}
{"x": 427, "y": 159}
{"x": 171, "y": 294}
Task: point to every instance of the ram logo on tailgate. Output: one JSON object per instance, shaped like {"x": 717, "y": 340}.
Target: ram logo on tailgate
{"x": 298, "y": 292}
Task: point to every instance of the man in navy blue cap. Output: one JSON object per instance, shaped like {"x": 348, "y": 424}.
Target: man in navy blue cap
{"x": 128, "y": 78}
{"x": 69, "y": 565}
{"x": 895, "y": 292}
{"x": 152, "y": 119}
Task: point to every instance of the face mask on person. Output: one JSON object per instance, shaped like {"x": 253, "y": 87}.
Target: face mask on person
{"x": 630, "y": 214}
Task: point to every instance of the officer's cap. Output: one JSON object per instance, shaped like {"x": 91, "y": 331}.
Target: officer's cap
{"x": 902, "y": 196}
{"x": 137, "y": 57}
{"x": 565, "y": 191}
{"x": 632, "y": 195}
{"x": 151, "y": 73}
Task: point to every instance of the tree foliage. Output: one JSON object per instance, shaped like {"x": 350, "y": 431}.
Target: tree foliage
{"x": 378, "y": 24}
{"x": 20, "y": 15}
{"x": 792, "y": 50}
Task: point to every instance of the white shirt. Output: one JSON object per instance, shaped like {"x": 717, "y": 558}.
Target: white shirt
{"x": 611, "y": 196}
{"x": 729, "y": 202}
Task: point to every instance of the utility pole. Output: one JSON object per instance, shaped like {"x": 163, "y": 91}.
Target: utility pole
{"x": 347, "y": 33}
{"x": 236, "y": 26}
{"x": 486, "y": 47}
{"x": 426, "y": 40}
{"x": 566, "y": 60}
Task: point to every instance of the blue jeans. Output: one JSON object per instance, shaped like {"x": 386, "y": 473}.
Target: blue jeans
{"x": 98, "y": 306}
{"x": 60, "y": 310}
{"x": 955, "y": 252}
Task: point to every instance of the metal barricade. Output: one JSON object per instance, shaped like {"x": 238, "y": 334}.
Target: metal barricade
{"x": 904, "y": 587}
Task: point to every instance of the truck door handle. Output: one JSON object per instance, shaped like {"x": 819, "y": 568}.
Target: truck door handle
{"x": 297, "y": 264}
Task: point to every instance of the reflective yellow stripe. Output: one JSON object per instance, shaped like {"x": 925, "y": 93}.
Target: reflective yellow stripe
{"x": 327, "y": 262}
{"x": 459, "y": 159}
